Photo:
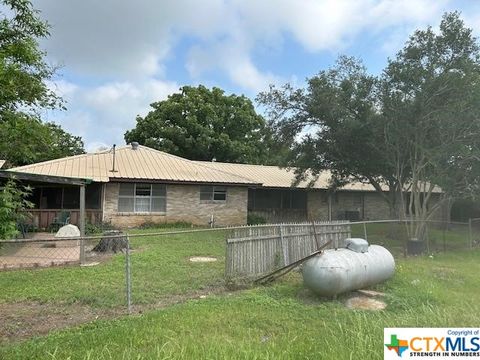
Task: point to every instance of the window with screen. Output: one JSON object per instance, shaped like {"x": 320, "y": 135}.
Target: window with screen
{"x": 213, "y": 193}
{"x": 142, "y": 198}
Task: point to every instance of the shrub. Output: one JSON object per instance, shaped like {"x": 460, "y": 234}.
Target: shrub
{"x": 12, "y": 208}
{"x": 254, "y": 219}
{"x": 98, "y": 228}
{"x": 174, "y": 225}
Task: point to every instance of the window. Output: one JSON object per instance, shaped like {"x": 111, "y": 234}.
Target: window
{"x": 142, "y": 198}
{"x": 213, "y": 193}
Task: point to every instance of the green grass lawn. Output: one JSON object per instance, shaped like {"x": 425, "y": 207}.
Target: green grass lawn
{"x": 280, "y": 321}
{"x": 159, "y": 264}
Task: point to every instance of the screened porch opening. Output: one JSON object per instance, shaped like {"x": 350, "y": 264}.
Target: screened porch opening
{"x": 278, "y": 204}
{"x": 50, "y": 200}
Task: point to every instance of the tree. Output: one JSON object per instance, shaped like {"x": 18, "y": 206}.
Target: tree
{"x": 26, "y": 140}
{"x": 202, "y": 124}
{"x": 409, "y": 130}
{"x": 430, "y": 97}
{"x": 342, "y": 129}
{"x": 24, "y": 91}
{"x": 23, "y": 70}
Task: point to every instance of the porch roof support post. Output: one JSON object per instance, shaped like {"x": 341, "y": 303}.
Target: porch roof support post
{"x": 82, "y": 223}
{"x": 82, "y": 210}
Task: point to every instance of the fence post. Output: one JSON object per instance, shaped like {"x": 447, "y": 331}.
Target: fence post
{"x": 444, "y": 240}
{"x": 82, "y": 250}
{"x": 128, "y": 279}
{"x": 82, "y": 224}
{"x": 284, "y": 246}
{"x": 428, "y": 237}
{"x": 470, "y": 236}
{"x": 365, "y": 230}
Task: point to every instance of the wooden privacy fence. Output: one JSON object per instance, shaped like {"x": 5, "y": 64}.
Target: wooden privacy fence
{"x": 257, "y": 250}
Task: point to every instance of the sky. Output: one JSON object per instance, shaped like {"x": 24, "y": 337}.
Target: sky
{"x": 116, "y": 57}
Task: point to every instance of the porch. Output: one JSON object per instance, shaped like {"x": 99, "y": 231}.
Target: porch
{"x": 43, "y": 218}
{"x": 52, "y": 195}
{"x": 51, "y": 201}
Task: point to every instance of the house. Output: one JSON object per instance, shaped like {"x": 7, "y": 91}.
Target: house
{"x": 134, "y": 184}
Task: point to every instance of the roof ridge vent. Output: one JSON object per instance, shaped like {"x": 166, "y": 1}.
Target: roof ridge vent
{"x": 134, "y": 145}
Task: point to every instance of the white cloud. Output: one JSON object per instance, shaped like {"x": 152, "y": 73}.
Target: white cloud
{"x": 233, "y": 60}
{"x": 333, "y": 24}
{"x": 62, "y": 87}
{"x": 111, "y": 94}
{"x": 116, "y": 51}
{"x": 125, "y": 39}
{"x": 102, "y": 114}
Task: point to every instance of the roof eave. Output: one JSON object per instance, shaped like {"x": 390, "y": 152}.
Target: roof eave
{"x": 183, "y": 182}
{"x": 17, "y": 175}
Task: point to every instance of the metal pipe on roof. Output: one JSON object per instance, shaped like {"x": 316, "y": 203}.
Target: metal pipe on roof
{"x": 113, "y": 165}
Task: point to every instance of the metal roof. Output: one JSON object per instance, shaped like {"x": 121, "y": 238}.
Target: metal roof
{"x": 278, "y": 177}
{"x": 142, "y": 163}
{"x": 274, "y": 176}
{"x": 147, "y": 164}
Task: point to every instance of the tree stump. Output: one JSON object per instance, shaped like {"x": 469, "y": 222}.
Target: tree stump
{"x": 112, "y": 242}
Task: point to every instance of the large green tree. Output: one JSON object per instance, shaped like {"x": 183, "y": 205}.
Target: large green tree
{"x": 202, "y": 124}
{"x": 414, "y": 127}
{"x": 26, "y": 140}
{"x": 338, "y": 127}
{"x": 24, "y": 90}
{"x": 23, "y": 69}
{"x": 430, "y": 102}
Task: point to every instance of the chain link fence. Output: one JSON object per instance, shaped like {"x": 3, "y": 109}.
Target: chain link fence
{"x": 436, "y": 236}
{"x": 151, "y": 268}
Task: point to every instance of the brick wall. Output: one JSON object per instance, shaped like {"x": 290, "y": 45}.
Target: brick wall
{"x": 183, "y": 204}
{"x": 317, "y": 205}
{"x": 343, "y": 201}
{"x": 370, "y": 205}
{"x": 375, "y": 207}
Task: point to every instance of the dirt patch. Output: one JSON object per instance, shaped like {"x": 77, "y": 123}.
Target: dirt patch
{"x": 360, "y": 299}
{"x": 23, "y": 320}
{"x": 202, "y": 259}
{"x": 362, "y": 302}
{"x": 26, "y": 319}
{"x": 180, "y": 298}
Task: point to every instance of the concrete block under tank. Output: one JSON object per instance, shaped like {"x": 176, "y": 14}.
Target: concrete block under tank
{"x": 337, "y": 271}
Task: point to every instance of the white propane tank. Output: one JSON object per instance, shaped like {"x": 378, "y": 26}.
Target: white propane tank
{"x": 337, "y": 271}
